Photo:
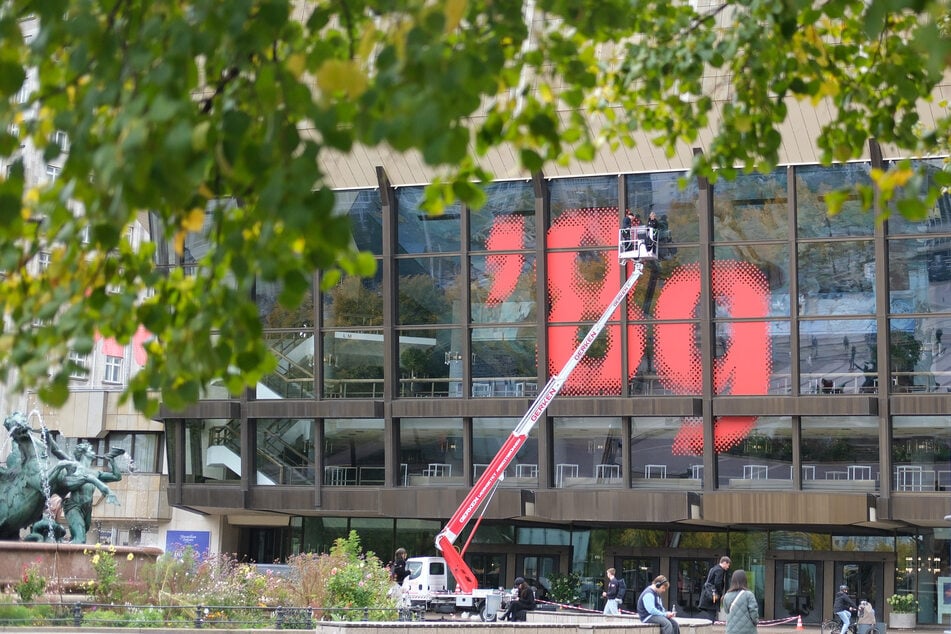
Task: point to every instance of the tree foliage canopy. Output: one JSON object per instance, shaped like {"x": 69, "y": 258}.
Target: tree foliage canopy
{"x": 170, "y": 105}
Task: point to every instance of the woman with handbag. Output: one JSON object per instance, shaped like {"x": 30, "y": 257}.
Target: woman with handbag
{"x": 739, "y": 603}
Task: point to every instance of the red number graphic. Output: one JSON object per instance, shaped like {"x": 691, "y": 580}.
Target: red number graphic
{"x": 581, "y": 284}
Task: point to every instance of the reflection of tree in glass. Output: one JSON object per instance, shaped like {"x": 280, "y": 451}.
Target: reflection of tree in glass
{"x": 905, "y": 352}
{"x": 751, "y": 208}
{"x": 421, "y": 301}
{"x": 354, "y": 304}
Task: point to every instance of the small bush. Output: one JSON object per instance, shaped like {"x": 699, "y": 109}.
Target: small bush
{"x": 148, "y": 617}
{"x": 11, "y": 614}
{"x": 32, "y": 584}
{"x": 105, "y": 618}
{"x": 565, "y": 589}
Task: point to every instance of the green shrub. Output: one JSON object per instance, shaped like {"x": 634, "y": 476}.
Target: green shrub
{"x": 565, "y": 589}
{"x": 11, "y": 614}
{"x": 147, "y": 617}
{"x": 903, "y": 603}
{"x": 105, "y": 618}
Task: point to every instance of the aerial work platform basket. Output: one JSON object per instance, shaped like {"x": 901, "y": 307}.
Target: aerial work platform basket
{"x": 637, "y": 243}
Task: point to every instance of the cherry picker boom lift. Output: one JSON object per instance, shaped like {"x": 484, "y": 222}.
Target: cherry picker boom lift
{"x": 634, "y": 247}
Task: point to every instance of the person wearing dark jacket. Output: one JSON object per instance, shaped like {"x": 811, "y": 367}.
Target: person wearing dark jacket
{"x": 714, "y": 588}
{"x": 400, "y": 571}
{"x": 843, "y": 607}
{"x": 613, "y": 593}
{"x": 525, "y": 601}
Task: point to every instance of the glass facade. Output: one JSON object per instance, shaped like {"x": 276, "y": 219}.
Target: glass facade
{"x": 796, "y": 340}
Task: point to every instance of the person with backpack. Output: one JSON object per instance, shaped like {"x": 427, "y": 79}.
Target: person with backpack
{"x": 614, "y": 593}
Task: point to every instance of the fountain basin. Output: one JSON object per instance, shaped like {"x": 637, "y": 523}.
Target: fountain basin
{"x": 67, "y": 567}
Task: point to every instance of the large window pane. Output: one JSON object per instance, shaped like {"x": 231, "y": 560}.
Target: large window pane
{"x": 284, "y": 451}
{"x": 353, "y": 452}
{"x": 273, "y": 315}
{"x": 586, "y": 197}
{"x": 502, "y": 288}
{"x": 920, "y": 274}
{"x": 673, "y": 262}
{"x": 431, "y": 451}
{"x": 676, "y": 208}
{"x": 146, "y": 452}
{"x": 429, "y": 291}
{"x": 488, "y": 435}
{"x": 915, "y": 363}
{"x": 365, "y": 212}
{"x": 840, "y": 453}
{"x": 751, "y": 358}
{"x": 507, "y": 220}
{"x": 353, "y": 364}
{"x": 755, "y": 453}
{"x": 355, "y": 301}
{"x": 419, "y": 232}
{"x": 503, "y": 362}
{"x": 838, "y": 357}
{"x": 431, "y": 362}
{"x": 938, "y": 221}
{"x": 921, "y": 453}
{"x": 751, "y": 207}
{"x": 294, "y": 376}
{"x": 750, "y": 269}
{"x": 837, "y": 278}
{"x": 813, "y": 184}
{"x": 653, "y": 463}
{"x": 212, "y": 451}
{"x": 587, "y": 452}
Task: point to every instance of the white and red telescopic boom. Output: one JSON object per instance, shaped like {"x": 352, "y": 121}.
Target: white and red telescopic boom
{"x": 482, "y": 490}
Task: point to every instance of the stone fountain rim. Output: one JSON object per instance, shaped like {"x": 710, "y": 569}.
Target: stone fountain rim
{"x": 63, "y": 547}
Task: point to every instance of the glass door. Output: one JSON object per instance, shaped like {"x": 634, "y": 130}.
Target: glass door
{"x": 864, "y": 580}
{"x": 637, "y": 572}
{"x": 686, "y": 583}
{"x": 798, "y": 590}
{"x": 489, "y": 569}
{"x": 536, "y": 570}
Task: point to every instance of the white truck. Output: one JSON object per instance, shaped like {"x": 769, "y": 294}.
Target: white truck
{"x": 426, "y": 589}
{"x": 428, "y": 585}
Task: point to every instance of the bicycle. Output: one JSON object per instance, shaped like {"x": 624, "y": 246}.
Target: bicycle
{"x": 834, "y": 625}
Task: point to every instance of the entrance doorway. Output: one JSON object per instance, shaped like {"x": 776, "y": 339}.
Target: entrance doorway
{"x": 686, "y": 583}
{"x": 864, "y": 579}
{"x": 798, "y": 590}
{"x": 637, "y": 573}
{"x": 537, "y": 569}
{"x": 489, "y": 569}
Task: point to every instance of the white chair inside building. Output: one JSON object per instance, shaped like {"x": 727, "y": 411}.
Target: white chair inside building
{"x": 438, "y": 470}
{"x": 563, "y": 472}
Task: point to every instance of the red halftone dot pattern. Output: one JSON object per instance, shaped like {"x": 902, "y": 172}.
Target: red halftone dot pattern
{"x": 580, "y": 286}
{"x": 506, "y": 235}
{"x": 743, "y": 368}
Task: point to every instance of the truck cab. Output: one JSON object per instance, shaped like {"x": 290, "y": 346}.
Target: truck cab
{"x": 430, "y": 587}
